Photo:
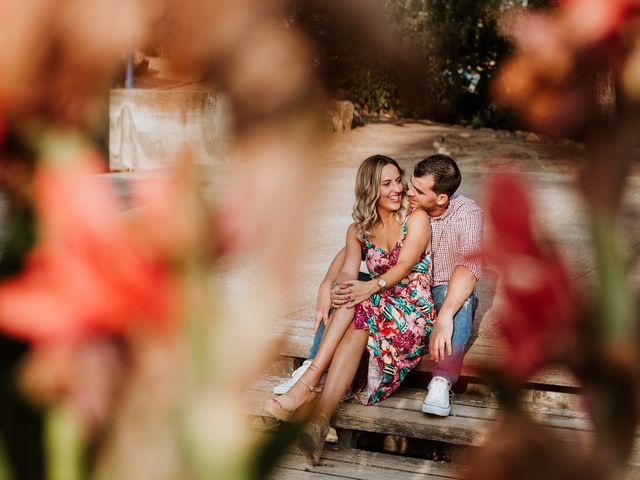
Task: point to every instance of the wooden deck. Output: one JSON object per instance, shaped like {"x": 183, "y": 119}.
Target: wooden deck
{"x": 472, "y": 418}
{"x": 349, "y": 463}
{"x": 552, "y": 400}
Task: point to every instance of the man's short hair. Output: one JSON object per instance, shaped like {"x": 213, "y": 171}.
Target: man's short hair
{"x": 444, "y": 170}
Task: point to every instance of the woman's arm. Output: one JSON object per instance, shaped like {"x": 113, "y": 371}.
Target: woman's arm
{"x": 352, "y": 256}
{"x": 415, "y": 243}
{"x": 323, "y": 300}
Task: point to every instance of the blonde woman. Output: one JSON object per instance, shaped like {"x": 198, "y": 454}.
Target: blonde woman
{"x": 390, "y": 315}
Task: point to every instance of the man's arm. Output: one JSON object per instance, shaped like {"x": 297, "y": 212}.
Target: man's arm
{"x": 462, "y": 283}
{"x": 323, "y": 300}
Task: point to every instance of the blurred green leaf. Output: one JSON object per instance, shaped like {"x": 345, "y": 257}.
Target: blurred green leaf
{"x": 5, "y": 471}
{"x": 19, "y": 237}
{"x": 618, "y": 316}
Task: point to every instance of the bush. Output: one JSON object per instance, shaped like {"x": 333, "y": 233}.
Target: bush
{"x": 460, "y": 49}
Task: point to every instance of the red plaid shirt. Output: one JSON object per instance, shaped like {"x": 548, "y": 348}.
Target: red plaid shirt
{"x": 456, "y": 239}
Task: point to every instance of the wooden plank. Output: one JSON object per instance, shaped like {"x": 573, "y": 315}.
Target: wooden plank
{"x": 407, "y": 464}
{"x": 631, "y": 473}
{"x": 570, "y": 406}
{"x": 462, "y": 405}
{"x": 407, "y": 423}
{"x": 363, "y": 465}
{"x": 381, "y": 419}
{"x": 480, "y": 355}
{"x": 472, "y": 419}
{"x": 634, "y": 455}
{"x": 414, "y": 398}
{"x": 282, "y": 473}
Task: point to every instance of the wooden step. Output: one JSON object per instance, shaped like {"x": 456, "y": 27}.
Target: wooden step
{"x": 353, "y": 463}
{"x": 362, "y": 465}
{"x": 471, "y": 421}
{"x": 482, "y": 352}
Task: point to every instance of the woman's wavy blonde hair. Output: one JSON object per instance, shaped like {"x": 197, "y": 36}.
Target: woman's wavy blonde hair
{"x": 365, "y": 211}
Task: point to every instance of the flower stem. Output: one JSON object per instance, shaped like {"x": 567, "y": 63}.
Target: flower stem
{"x": 5, "y": 471}
{"x": 63, "y": 443}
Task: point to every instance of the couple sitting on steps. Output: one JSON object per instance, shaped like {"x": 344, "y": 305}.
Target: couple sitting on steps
{"x": 419, "y": 244}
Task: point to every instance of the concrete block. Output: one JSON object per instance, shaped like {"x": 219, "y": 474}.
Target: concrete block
{"x": 148, "y": 127}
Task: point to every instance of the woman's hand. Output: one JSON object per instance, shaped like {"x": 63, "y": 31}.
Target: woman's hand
{"x": 354, "y": 292}
{"x": 340, "y": 294}
{"x": 323, "y": 304}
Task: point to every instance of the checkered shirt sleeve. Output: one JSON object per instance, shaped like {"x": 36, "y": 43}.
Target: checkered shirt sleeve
{"x": 469, "y": 241}
{"x": 457, "y": 240}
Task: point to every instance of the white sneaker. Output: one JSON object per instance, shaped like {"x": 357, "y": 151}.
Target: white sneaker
{"x": 297, "y": 373}
{"x": 437, "y": 400}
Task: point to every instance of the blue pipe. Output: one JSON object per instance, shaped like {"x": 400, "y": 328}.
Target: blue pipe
{"x": 128, "y": 82}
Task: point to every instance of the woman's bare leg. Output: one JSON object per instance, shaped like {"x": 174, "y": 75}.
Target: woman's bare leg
{"x": 340, "y": 321}
{"x": 342, "y": 370}
{"x": 341, "y": 373}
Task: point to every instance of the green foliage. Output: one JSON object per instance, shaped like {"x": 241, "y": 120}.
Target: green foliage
{"x": 370, "y": 86}
{"x": 347, "y": 66}
{"x": 458, "y": 49}
{"x": 461, "y": 48}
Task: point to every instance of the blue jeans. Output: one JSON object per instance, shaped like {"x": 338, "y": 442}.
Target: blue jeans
{"x": 317, "y": 338}
{"x": 450, "y": 367}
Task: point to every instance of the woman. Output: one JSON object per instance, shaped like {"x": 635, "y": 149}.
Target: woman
{"x": 393, "y": 314}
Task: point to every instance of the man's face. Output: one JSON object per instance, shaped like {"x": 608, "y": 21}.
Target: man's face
{"x": 421, "y": 195}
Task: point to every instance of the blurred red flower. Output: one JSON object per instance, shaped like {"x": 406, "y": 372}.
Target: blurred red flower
{"x": 594, "y": 20}
{"x": 553, "y": 79}
{"x": 540, "y": 305}
{"x": 2, "y": 127}
{"x": 91, "y": 272}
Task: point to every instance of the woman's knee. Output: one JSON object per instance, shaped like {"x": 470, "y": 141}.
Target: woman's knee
{"x": 356, "y": 337}
{"x": 343, "y": 312}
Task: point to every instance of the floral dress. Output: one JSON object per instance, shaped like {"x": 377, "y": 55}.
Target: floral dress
{"x": 399, "y": 319}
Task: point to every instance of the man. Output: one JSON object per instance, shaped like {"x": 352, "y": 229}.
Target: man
{"x": 456, "y": 238}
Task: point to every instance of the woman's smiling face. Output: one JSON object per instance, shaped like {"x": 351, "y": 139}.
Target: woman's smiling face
{"x": 391, "y": 188}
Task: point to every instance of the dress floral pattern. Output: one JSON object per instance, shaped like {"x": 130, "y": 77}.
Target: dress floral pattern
{"x": 399, "y": 320}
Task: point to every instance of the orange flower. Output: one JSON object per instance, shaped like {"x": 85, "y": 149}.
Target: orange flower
{"x": 540, "y": 307}
{"x": 91, "y": 271}
{"x": 552, "y": 80}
